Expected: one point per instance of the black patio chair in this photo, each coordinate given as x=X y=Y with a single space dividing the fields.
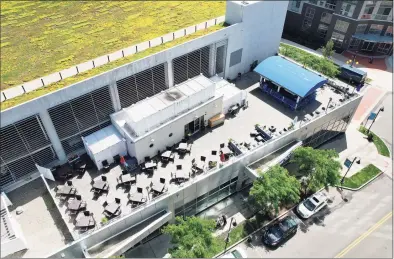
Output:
x=86 y=213
x=105 y=204
x=162 y=180
x=117 y=200
x=104 y=178
x=147 y=159
x=214 y=152
x=78 y=197
x=69 y=183
x=193 y=161
x=203 y=158
x=222 y=145
x=178 y=167
x=105 y=164
x=139 y=189
x=117 y=159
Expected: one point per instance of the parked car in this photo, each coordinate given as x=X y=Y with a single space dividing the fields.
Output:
x=312 y=205
x=236 y=253
x=279 y=232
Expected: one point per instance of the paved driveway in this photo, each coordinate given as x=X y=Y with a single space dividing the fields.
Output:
x=335 y=228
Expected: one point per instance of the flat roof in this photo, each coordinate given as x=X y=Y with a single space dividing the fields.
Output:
x=354 y=69
x=290 y=76
x=103 y=139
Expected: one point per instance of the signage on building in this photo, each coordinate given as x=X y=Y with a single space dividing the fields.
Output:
x=348 y=163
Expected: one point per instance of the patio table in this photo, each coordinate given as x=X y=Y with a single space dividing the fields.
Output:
x=126 y=178
x=182 y=146
x=149 y=165
x=199 y=165
x=112 y=207
x=181 y=175
x=226 y=150
x=74 y=204
x=158 y=186
x=85 y=221
x=259 y=138
x=137 y=197
x=99 y=184
x=66 y=190
x=166 y=154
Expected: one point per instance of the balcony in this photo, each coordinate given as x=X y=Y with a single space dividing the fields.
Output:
x=379 y=17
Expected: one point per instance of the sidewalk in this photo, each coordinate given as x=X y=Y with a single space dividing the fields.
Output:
x=354 y=144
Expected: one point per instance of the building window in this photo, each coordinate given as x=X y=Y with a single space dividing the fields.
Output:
x=326 y=17
x=375 y=29
x=368 y=46
x=368 y=10
x=354 y=43
x=322 y=30
x=337 y=38
x=347 y=9
x=310 y=12
x=361 y=28
x=384 y=47
x=383 y=13
x=306 y=24
x=331 y=4
x=389 y=31
x=341 y=26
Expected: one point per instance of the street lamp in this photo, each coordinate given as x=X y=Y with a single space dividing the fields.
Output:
x=348 y=168
x=228 y=234
x=329 y=101
x=380 y=110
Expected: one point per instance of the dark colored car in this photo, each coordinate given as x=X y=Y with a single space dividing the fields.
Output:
x=277 y=233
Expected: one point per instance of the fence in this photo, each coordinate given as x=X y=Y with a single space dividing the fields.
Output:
x=99 y=61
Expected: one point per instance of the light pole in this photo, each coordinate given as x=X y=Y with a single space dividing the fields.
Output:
x=380 y=110
x=329 y=101
x=228 y=234
x=348 y=169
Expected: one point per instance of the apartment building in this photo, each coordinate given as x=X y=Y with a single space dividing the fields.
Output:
x=365 y=27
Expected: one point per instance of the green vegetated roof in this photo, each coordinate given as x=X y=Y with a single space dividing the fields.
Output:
x=42 y=37
x=93 y=72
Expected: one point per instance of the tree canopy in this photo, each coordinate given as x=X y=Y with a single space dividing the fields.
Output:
x=192 y=237
x=319 y=167
x=328 y=50
x=274 y=189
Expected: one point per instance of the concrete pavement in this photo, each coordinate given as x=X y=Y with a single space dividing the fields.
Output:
x=333 y=229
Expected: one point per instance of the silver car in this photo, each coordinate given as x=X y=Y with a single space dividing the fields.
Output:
x=312 y=205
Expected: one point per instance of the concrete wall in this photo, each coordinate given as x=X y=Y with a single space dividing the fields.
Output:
x=176 y=127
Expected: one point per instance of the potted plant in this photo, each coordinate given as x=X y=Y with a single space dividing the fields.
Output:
x=104 y=221
x=230 y=140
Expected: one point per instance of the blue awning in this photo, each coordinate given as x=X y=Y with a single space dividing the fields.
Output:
x=373 y=38
x=290 y=76
x=354 y=70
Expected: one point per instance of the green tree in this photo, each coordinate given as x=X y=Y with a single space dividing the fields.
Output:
x=274 y=189
x=318 y=167
x=328 y=50
x=192 y=238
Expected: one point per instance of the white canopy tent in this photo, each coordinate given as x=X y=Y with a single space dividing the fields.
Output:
x=104 y=145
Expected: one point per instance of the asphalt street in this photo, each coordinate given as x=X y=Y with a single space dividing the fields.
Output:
x=360 y=227
x=383 y=125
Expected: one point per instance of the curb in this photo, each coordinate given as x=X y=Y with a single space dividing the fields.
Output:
x=254 y=232
x=362 y=186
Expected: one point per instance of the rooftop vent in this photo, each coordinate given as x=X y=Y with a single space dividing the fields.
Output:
x=173 y=95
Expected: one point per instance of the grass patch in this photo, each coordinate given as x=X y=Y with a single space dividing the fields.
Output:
x=360 y=178
x=23 y=23
x=380 y=145
x=319 y=64
x=104 y=68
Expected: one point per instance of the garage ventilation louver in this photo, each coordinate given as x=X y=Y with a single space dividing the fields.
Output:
x=144 y=84
x=191 y=65
x=84 y=114
x=23 y=144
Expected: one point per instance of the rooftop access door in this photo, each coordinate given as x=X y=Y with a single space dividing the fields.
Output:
x=220 y=57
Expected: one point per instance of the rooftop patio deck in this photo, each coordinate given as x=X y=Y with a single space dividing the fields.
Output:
x=262 y=109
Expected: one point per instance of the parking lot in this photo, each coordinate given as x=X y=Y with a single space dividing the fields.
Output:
x=333 y=230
